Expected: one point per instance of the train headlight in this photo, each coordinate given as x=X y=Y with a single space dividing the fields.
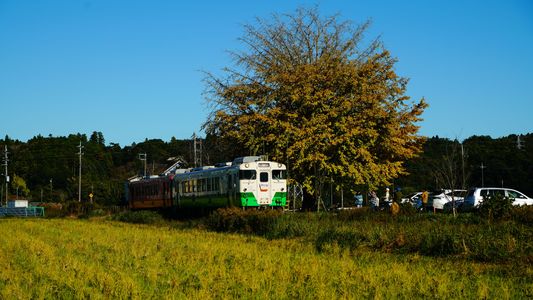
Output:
x=246 y=165
x=279 y=165
x=282 y=189
x=245 y=189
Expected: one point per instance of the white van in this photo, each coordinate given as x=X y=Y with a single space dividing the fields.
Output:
x=475 y=196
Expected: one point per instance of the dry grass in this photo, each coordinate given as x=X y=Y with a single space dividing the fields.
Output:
x=63 y=258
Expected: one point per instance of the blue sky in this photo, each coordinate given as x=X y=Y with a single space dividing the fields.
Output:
x=133 y=69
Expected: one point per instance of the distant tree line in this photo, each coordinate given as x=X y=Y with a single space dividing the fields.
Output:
x=477 y=161
x=46 y=168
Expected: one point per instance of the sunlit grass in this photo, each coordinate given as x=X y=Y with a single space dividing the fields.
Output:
x=66 y=258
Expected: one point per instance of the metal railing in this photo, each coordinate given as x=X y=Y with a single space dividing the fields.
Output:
x=32 y=211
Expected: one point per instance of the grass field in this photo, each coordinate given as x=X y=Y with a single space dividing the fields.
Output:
x=98 y=258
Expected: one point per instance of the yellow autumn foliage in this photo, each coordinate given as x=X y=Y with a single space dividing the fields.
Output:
x=310 y=92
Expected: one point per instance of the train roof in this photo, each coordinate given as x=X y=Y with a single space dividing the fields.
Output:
x=246 y=159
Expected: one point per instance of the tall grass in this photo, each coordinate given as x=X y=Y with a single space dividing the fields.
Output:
x=317 y=256
x=435 y=235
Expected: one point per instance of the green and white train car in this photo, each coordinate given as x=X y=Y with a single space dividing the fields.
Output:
x=246 y=182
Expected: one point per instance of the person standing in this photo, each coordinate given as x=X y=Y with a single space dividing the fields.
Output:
x=358 y=199
x=374 y=200
x=387 y=199
x=425 y=197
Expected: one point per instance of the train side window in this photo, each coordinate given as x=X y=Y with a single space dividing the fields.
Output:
x=247 y=174
x=209 y=184
x=279 y=174
x=263 y=177
x=217 y=183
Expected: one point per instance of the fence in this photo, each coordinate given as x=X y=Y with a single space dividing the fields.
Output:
x=32 y=211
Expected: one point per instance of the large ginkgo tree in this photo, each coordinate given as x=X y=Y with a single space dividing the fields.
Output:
x=314 y=93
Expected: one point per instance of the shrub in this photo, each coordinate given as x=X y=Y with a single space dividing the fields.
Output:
x=523 y=214
x=343 y=239
x=440 y=243
x=359 y=213
x=139 y=217
x=407 y=209
x=496 y=207
x=288 y=226
x=249 y=221
x=53 y=210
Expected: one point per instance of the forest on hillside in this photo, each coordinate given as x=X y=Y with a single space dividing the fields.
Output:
x=46 y=169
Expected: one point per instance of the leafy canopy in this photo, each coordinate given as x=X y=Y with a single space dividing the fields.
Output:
x=308 y=91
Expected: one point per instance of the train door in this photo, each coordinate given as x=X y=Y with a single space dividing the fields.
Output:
x=265 y=191
x=232 y=189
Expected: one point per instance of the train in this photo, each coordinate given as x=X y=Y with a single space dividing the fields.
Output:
x=247 y=182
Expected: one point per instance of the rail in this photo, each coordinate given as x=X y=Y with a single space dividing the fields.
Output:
x=32 y=211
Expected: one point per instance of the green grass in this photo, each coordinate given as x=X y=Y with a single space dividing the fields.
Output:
x=70 y=258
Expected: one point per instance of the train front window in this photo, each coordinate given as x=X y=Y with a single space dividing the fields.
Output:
x=279 y=174
x=247 y=174
x=263 y=177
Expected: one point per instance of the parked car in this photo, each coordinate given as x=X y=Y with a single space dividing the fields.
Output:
x=412 y=198
x=415 y=199
x=458 y=205
x=476 y=195
x=439 y=198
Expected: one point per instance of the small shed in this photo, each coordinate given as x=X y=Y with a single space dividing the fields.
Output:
x=17 y=203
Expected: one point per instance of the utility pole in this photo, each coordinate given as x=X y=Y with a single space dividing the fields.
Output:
x=463 y=166
x=519 y=143
x=79 y=172
x=142 y=157
x=197 y=150
x=6 y=160
x=482 y=177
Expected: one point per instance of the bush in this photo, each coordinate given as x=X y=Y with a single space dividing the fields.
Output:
x=496 y=207
x=235 y=219
x=139 y=217
x=523 y=214
x=407 y=209
x=343 y=239
x=359 y=213
x=52 y=210
x=440 y=243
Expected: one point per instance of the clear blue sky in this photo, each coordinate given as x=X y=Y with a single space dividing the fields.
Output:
x=133 y=69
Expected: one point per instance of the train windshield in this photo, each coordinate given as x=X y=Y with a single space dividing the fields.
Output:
x=263 y=177
x=247 y=174
x=279 y=174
